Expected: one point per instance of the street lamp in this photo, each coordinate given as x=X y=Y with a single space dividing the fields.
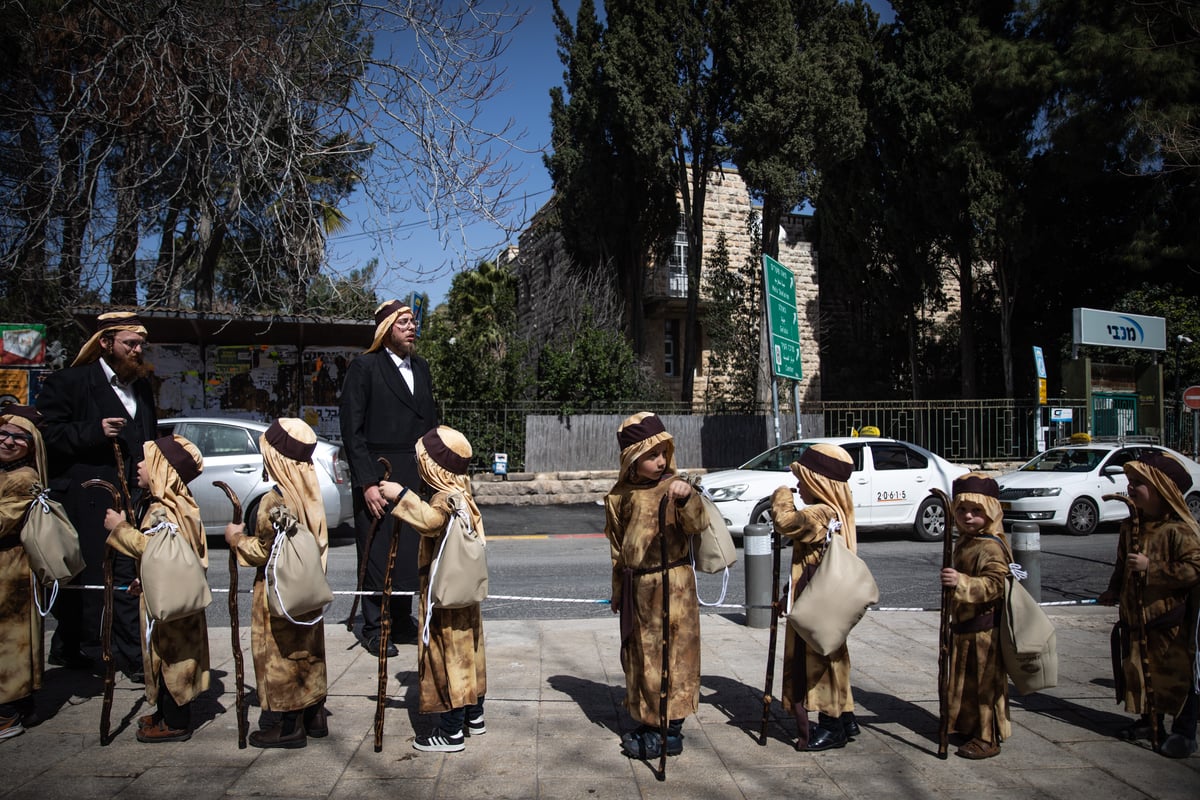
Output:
x=1180 y=341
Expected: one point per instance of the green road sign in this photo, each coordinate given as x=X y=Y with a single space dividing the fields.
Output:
x=782 y=320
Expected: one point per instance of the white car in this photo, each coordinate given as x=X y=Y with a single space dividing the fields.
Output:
x=890 y=484
x=230 y=450
x=1065 y=486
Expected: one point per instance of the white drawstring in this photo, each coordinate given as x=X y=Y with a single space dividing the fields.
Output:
x=37 y=597
x=1017 y=572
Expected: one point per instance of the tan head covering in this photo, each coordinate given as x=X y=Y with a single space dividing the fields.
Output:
x=982 y=490
x=385 y=318
x=443 y=462
x=168 y=461
x=287 y=448
x=13 y=415
x=112 y=321
x=1169 y=478
x=823 y=470
x=638 y=435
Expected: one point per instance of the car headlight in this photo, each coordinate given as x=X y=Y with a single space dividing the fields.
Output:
x=1046 y=491
x=726 y=493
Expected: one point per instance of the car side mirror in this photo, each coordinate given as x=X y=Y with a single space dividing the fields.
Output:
x=1113 y=470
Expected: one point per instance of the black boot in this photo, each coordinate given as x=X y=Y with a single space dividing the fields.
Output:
x=828 y=734
x=289 y=733
x=316 y=720
x=850 y=725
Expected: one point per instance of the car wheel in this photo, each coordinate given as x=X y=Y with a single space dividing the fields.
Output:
x=250 y=515
x=1193 y=504
x=930 y=524
x=1082 y=517
x=761 y=515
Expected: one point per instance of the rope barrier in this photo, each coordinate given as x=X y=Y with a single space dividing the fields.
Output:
x=590 y=601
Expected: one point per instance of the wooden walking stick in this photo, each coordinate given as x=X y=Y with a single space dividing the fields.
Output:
x=945 y=632
x=119 y=458
x=385 y=633
x=362 y=569
x=239 y=670
x=664 y=682
x=110 y=669
x=776 y=612
x=1137 y=593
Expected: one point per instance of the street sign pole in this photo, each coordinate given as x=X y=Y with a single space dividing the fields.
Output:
x=783 y=323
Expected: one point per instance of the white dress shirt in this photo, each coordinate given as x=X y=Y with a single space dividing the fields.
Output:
x=124 y=391
x=405 y=367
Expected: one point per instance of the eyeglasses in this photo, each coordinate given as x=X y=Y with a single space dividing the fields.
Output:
x=405 y=322
x=16 y=438
x=133 y=344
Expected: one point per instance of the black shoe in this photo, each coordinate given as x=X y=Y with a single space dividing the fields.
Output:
x=316 y=721
x=1178 y=746
x=646 y=743
x=372 y=646
x=275 y=737
x=826 y=739
x=70 y=660
x=850 y=725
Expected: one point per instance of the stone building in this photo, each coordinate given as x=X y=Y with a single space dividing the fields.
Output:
x=540 y=253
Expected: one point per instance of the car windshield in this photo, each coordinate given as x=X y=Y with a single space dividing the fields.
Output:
x=777 y=458
x=1066 y=460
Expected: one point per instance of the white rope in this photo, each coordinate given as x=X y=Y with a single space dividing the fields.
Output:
x=37 y=594
x=273 y=560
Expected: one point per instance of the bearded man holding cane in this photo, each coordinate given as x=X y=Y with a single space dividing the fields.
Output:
x=387 y=405
x=97 y=414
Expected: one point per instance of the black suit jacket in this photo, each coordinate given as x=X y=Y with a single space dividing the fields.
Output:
x=381 y=417
x=72 y=402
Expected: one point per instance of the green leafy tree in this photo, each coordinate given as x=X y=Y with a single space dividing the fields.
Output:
x=733 y=324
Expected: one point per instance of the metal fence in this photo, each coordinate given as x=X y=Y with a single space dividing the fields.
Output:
x=964 y=431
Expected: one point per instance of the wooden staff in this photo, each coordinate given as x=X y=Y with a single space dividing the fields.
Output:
x=119 y=458
x=945 y=632
x=776 y=612
x=362 y=569
x=1138 y=591
x=239 y=670
x=110 y=673
x=385 y=632
x=664 y=683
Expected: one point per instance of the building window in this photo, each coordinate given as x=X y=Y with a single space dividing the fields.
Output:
x=671 y=348
x=677 y=264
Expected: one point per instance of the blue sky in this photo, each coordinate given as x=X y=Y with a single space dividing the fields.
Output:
x=531 y=69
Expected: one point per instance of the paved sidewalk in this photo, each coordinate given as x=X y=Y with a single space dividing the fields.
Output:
x=554 y=715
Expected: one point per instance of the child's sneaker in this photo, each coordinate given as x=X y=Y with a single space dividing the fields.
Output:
x=440 y=742
x=476 y=727
x=11 y=726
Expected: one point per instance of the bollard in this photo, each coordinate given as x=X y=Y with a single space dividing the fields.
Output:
x=756 y=554
x=1027 y=551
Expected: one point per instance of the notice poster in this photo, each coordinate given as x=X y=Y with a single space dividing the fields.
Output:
x=178 y=380
x=14 y=386
x=22 y=344
x=252 y=381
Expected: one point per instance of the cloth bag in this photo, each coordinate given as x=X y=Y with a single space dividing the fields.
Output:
x=713 y=550
x=296 y=582
x=1028 y=643
x=50 y=540
x=835 y=597
x=174 y=584
x=458 y=576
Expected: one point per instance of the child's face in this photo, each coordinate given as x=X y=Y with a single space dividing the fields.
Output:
x=1145 y=497
x=143 y=475
x=652 y=465
x=969 y=517
x=14 y=443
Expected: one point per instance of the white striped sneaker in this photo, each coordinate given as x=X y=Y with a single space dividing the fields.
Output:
x=476 y=727
x=440 y=742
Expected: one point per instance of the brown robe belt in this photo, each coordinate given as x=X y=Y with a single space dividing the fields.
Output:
x=986 y=621
x=627 y=601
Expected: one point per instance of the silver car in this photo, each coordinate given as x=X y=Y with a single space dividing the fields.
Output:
x=230 y=450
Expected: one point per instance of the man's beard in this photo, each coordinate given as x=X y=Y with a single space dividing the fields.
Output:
x=128 y=368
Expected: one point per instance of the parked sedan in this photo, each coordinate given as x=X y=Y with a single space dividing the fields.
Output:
x=1065 y=486
x=890 y=484
x=230 y=450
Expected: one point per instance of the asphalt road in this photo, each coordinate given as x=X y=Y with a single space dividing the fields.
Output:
x=554 y=554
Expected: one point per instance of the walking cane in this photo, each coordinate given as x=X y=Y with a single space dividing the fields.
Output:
x=776 y=611
x=1138 y=590
x=120 y=462
x=944 y=633
x=385 y=632
x=239 y=670
x=110 y=674
x=664 y=683
x=362 y=569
